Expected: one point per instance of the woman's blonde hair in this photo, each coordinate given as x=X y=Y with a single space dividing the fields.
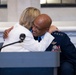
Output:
x=28 y=16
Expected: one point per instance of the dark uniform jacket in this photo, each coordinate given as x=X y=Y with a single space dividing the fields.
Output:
x=63 y=43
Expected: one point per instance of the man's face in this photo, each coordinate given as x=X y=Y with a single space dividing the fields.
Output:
x=38 y=29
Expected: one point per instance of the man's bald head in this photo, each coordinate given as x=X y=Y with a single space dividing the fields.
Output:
x=41 y=24
x=44 y=20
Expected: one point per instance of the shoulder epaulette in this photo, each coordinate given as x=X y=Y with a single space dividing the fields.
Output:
x=58 y=33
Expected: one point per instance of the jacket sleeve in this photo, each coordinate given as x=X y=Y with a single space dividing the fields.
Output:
x=34 y=45
x=68 y=48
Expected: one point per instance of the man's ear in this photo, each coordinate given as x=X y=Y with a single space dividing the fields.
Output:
x=47 y=29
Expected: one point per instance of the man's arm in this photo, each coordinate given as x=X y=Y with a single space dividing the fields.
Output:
x=68 y=48
x=6 y=32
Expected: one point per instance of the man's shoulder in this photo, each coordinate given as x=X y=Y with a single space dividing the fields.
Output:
x=59 y=33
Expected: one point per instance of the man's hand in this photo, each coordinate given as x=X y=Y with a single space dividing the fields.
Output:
x=53 y=28
x=6 y=32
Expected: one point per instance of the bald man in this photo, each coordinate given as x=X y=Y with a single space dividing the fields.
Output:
x=61 y=42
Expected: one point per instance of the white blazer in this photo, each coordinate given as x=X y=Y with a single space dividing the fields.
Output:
x=29 y=44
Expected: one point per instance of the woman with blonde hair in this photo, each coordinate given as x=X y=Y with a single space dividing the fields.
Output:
x=25 y=24
x=28 y=16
